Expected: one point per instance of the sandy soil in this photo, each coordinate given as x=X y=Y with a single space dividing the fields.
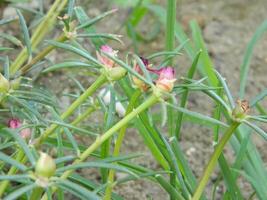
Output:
x=228 y=25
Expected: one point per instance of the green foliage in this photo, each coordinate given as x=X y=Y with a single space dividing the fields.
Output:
x=38 y=121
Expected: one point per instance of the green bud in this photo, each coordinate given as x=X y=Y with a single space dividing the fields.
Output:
x=116 y=73
x=4 y=84
x=45 y=166
x=241 y=109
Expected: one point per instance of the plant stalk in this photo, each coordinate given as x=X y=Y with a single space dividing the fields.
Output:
x=98 y=83
x=20 y=157
x=116 y=152
x=170 y=43
x=213 y=160
x=39 y=33
x=99 y=141
x=42 y=54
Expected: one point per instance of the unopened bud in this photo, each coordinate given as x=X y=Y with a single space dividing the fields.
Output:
x=4 y=84
x=45 y=166
x=116 y=73
x=241 y=109
x=166 y=79
x=16 y=123
x=106 y=61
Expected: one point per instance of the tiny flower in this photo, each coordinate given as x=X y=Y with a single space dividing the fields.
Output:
x=139 y=83
x=107 y=62
x=16 y=123
x=45 y=166
x=241 y=110
x=4 y=84
x=113 y=72
x=166 y=78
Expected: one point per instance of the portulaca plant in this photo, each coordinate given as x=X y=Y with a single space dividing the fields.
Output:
x=41 y=151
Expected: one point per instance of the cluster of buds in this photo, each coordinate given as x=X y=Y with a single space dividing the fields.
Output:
x=166 y=75
x=112 y=70
x=241 y=109
x=165 y=81
x=15 y=124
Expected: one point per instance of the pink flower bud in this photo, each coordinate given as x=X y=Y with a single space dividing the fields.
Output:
x=107 y=62
x=166 y=79
x=25 y=133
x=16 y=123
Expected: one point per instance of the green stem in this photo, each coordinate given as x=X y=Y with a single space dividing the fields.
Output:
x=39 y=33
x=213 y=160
x=12 y=170
x=170 y=25
x=36 y=193
x=42 y=54
x=99 y=82
x=170 y=43
x=117 y=146
x=99 y=141
x=84 y=115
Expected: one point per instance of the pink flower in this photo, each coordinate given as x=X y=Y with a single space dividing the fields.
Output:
x=166 y=78
x=107 y=62
x=16 y=123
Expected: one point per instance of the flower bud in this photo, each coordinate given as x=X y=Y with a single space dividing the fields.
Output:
x=4 y=84
x=241 y=109
x=166 y=79
x=116 y=73
x=107 y=62
x=16 y=123
x=45 y=166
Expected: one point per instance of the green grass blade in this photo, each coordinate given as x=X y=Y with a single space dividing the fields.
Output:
x=95 y=165
x=12 y=162
x=67 y=65
x=77 y=190
x=26 y=34
x=258 y=130
x=75 y=50
x=247 y=57
x=94 y=20
x=204 y=58
x=22 y=144
x=226 y=89
x=198 y=115
x=258 y=98
x=184 y=96
x=19 y=192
